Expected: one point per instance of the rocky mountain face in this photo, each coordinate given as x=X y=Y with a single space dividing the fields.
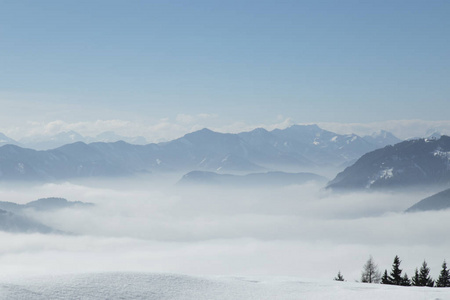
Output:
x=295 y=149
x=406 y=164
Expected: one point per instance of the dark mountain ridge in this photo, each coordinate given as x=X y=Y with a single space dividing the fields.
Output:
x=406 y=164
x=439 y=201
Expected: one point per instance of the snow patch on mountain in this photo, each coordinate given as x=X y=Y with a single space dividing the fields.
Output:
x=382 y=174
x=387 y=173
x=444 y=155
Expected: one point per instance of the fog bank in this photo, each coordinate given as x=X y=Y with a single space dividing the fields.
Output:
x=295 y=230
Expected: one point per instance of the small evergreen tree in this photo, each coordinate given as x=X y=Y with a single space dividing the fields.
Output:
x=339 y=277
x=396 y=273
x=444 y=277
x=424 y=278
x=415 y=280
x=370 y=273
x=405 y=280
x=385 y=278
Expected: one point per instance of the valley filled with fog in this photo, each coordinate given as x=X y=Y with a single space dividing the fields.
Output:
x=152 y=224
x=224 y=150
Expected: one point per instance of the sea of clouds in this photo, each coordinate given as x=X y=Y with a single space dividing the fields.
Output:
x=150 y=225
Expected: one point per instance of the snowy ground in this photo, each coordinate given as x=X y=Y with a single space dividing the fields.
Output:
x=168 y=286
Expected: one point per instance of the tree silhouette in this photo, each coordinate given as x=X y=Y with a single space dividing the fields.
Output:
x=405 y=280
x=339 y=277
x=424 y=278
x=416 y=280
x=370 y=273
x=444 y=277
x=385 y=278
x=396 y=273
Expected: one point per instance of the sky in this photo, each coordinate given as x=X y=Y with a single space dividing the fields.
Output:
x=175 y=66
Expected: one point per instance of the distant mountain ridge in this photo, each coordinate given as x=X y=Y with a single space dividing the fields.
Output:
x=51 y=203
x=294 y=149
x=382 y=138
x=13 y=217
x=68 y=137
x=439 y=201
x=409 y=163
x=4 y=140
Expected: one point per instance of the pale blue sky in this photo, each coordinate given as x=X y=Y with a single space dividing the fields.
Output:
x=251 y=61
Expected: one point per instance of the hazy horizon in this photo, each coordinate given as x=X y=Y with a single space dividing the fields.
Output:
x=162 y=69
x=167 y=130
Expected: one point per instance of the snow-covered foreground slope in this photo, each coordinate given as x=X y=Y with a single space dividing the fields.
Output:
x=167 y=286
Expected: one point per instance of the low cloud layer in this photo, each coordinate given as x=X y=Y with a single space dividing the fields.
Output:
x=296 y=230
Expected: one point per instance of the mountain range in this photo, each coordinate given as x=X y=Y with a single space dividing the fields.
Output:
x=44 y=142
x=406 y=164
x=297 y=148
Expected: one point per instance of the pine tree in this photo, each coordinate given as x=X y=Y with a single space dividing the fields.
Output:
x=370 y=273
x=405 y=280
x=396 y=273
x=385 y=278
x=339 y=277
x=424 y=278
x=444 y=277
x=415 y=280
